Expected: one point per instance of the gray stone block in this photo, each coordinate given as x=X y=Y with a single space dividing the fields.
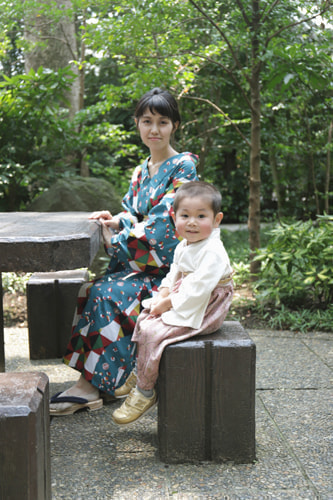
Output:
x=51 y=301
x=206 y=405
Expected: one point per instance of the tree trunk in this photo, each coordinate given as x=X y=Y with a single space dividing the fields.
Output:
x=59 y=45
x=274 y=169
x=312 y=165
x=84 y=169
x=254 y=191
x=276 y=183
x=328 y=169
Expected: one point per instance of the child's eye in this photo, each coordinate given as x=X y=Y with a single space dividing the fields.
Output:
x=202 y=216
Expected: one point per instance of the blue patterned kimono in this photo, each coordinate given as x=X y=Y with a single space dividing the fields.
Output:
x=101 y=346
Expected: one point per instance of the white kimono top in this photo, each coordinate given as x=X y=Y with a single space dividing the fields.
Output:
x=207 y=263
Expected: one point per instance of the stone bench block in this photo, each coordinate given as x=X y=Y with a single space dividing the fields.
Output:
x=206 y=407
x=25 y=464
x=51 y=302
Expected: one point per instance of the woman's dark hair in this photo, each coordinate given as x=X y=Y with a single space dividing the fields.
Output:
x=200 y=189
x=160 y=101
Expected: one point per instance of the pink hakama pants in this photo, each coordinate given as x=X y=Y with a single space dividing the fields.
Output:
x=152 y=335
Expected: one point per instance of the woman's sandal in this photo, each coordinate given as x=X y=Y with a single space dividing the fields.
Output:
x=78 y=404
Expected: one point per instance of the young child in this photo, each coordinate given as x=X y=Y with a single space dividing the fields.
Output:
x=194 y=297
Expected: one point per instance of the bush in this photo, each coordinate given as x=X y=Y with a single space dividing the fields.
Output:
x=15 y=282
x=35 y=134
x=297 y=266
x=302 y=320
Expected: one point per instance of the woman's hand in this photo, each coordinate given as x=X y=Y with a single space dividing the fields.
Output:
x=102 y=214
x=106 y=219
x=108 y=222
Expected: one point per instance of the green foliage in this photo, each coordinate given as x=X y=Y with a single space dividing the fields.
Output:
x=38 y=142
x=274 y=303
x=14 y=282
x=110 y=149
x=236 y=244
x=187 y=47
x=297 y=266
x=301 y=320
x=33 y=133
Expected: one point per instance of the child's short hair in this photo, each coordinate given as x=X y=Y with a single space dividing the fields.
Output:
x=203 y=189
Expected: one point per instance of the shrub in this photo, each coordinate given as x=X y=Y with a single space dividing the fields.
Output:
x=297 y=266
x=15 y=282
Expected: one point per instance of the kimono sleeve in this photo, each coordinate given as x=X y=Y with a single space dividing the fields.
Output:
x=129 y=216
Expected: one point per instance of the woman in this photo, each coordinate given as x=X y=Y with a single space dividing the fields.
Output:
x=141 y=251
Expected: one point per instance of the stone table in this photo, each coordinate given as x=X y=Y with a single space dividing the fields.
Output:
x=45 y=241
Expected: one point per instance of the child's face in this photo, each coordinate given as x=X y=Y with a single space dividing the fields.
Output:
x=195 y=219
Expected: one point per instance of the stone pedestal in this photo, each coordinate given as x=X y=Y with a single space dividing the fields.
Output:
x=51 y=302
x=206 y=405
x=25 y=466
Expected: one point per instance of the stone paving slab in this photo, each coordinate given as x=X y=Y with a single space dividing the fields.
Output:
x=131 y=454
x=304 y=419
x=92 y=459
x=288 y=363
x=323 y=349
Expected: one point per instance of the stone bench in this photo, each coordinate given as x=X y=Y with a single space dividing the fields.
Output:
x=25 y=463
x=51 y=301
x=206 y=407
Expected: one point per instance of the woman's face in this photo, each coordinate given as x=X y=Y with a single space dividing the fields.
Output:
x=155 y=130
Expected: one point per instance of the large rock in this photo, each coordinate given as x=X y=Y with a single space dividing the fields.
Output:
x=78 y=194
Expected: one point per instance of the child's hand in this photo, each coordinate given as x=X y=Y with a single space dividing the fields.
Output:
x=160 y=306
x=164 y=292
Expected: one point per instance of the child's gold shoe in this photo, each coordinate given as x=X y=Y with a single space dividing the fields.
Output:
x=126 y=388
x=135 y=406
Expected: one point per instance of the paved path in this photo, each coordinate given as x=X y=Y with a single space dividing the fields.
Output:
x=93 y=460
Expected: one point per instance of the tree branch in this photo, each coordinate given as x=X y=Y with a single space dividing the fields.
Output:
x=207 y=58
x=274 y=4
x=216 y=26
x=222 y=113
x=241 y=7
x=328 y=4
